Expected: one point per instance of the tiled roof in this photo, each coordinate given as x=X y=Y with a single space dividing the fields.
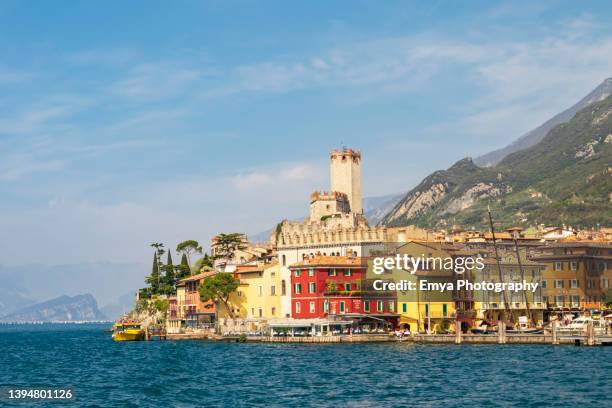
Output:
x=322 y=260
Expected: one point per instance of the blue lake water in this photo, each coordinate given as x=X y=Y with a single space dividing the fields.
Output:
x=193 y=373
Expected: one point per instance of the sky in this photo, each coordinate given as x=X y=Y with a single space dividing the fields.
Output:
x=126 y=123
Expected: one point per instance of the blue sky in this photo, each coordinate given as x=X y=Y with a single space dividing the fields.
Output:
x=127 y=123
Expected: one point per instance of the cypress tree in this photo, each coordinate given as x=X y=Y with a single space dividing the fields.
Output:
x=169 y=277
x=153 y=279
x=183 y=268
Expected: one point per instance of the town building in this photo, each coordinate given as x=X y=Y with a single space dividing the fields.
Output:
x=186 y=310
x=335 y=287
x=335 y=225
x=578 y=274
x=256 y=300
x=508 y=266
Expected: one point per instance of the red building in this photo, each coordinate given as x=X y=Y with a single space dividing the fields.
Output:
x=335 y=286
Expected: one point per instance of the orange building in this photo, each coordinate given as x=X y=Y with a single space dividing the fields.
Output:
x=578 y=274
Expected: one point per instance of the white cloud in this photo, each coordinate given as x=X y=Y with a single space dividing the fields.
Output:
x=154 y=81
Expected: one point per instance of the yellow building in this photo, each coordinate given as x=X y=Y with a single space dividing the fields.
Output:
x=257 y=299
x=425 y=310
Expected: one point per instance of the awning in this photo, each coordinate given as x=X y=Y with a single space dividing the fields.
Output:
x=407 y=319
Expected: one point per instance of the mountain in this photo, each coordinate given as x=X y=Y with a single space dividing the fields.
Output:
x=534 y=136
x=375 y=208
x=565 y=178
x=62 y=309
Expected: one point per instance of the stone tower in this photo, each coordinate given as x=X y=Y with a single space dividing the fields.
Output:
x=345 y=175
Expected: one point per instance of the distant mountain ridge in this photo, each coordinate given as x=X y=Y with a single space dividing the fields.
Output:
x=536 y=135
x=565 y=178
x=62 y=309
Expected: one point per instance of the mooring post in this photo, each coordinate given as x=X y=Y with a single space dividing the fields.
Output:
x=458 y=332
x=590 y=334
x=501 y=330
x=555 y=339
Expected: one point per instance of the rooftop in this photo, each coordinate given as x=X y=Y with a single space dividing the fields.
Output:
x=322 y=260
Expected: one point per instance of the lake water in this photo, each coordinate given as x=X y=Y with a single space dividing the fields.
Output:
x=194 y=373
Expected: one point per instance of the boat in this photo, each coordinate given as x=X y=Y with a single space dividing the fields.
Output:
x=579 y=326
x=128 y=330
x=532 y=330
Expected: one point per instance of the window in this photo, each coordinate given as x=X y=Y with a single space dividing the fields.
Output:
x=559 y=300
x=312 y=287
x=342 y=306
x=545 y=299
x=252 y=311
x=558 y=283
x=380 y=306
x=273 y=311
x=297 y=288
x=348 y=272
x=331 y=272
x=573 y=284
x=260 y=290
x=347 y=286
x=426 y=309
x=573 y=265
x=366 y=307
x=283 y=288
x=284 y=260
x=273 y=290
x=391 y=306
x=558 y=266
x=543 y=284
x=298 y=307
x=260 y=312
x=404 y=308
x=605 y=283
x=297 y=273
x=326 y=306
x=312 y=307
x=575 y=301
x=311 y=272
x=444 y=310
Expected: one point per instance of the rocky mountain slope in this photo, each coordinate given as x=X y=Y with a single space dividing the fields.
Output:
x=565 y=178
x=536 y=135
x=61 y=309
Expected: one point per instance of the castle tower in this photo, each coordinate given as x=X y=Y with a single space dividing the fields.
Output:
x=345 y=175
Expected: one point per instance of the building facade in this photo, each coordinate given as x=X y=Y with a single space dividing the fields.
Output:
x=336 y=287
x=578 y=274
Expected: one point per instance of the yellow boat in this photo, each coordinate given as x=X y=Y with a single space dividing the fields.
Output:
x=127 y=331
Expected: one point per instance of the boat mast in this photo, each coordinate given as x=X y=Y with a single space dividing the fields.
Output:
x=520 y=264
x=501 y=278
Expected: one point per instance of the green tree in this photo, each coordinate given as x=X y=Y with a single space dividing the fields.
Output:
x=189 y=247
x=227 y=244
x=169 y=280
x=218 y=288
x=182 y=270
x=153 y=280
x=203 y=264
